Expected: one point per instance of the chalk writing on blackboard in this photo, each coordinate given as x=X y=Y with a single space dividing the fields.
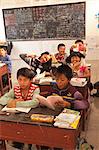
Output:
x=62 y=21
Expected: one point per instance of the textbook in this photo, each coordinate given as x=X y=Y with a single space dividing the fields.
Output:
x=17 y=109
x=67 y=119
x=50 y=101
x=63 y=124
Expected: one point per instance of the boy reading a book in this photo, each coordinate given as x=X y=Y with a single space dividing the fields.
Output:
x=23 y=94
x=68 y=92
x=65 y=90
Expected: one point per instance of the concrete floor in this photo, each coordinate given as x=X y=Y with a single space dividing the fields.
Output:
x=92 y=134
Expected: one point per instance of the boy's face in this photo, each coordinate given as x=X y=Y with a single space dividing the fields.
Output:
x=61 y=50
x=24 y=82
x=62 y=81
x=2 y=52
x=81 y=46
x=44 y=58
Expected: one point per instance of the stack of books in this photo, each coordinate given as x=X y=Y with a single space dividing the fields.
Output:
x=67 y=119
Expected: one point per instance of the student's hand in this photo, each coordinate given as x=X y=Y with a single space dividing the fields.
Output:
x=11 y=104
x=62 y=104
x=47 y=74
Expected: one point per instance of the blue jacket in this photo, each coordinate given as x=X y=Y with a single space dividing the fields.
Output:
x=7 y=61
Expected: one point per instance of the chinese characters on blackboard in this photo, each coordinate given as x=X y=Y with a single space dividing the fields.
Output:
x=63 y=21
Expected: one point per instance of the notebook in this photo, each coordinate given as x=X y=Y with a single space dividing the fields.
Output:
x=18 y=109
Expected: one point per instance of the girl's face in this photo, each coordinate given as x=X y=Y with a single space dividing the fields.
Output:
x=75 y=59
x=62 y=50
x=24 y=82
x=62 y=81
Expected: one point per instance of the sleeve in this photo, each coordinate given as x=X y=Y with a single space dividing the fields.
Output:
x=30 y=103
x=78 y=95
x=7 y=61
x=8 y=96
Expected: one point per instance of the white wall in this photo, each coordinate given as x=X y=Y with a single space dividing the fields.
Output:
x=92 y=33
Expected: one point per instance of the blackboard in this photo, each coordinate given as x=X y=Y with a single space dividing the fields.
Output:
x=62 y=21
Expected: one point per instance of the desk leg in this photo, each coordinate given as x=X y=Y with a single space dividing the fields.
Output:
x=2 y=145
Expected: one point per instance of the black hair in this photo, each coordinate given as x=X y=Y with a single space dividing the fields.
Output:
x=68 y=59
x=26 y=72
x=4 y=47
x=45 y=53
x=66 y=70
x=77 y=41
x=96 y=85
x=59 y=45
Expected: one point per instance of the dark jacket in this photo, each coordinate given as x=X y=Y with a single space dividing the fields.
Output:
x=72 y=95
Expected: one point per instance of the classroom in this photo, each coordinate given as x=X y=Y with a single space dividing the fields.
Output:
x=49 y=58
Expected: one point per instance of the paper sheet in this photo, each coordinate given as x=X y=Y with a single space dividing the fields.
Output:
x=20 y=109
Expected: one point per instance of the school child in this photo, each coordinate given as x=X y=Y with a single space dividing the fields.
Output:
x=61 y=55
x=64 y=89
x=5 y=58
x=79 y=69
x=23 y=94
x=43 y=62
x=79 y=46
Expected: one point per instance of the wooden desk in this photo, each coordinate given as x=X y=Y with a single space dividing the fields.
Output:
x=4 y=80
x=19 y=127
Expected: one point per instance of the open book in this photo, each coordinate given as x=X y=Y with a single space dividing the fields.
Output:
x=51 y=101
x=17 y=109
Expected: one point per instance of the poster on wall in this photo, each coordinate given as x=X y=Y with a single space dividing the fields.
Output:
x=93 y=43
x=97 y=17
x=62 y=21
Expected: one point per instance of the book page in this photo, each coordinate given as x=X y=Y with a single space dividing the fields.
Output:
x=43 y=101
